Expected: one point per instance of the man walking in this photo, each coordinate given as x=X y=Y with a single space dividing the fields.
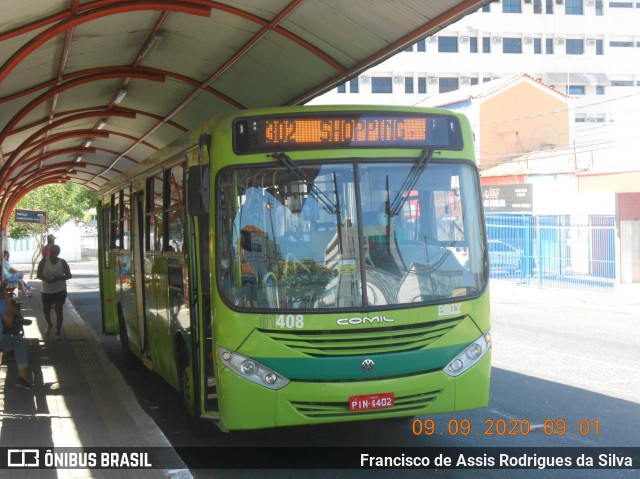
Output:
x=54 y=273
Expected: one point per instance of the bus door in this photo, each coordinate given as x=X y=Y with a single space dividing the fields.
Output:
x=107 y=274
x=138 y=267
x=198 y=195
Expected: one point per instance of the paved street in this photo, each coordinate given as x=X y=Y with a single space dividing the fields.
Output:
x=558 y=356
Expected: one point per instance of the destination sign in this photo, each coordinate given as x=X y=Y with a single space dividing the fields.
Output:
x=340 y=130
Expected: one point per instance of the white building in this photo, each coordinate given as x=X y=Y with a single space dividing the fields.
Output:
x=588 y=48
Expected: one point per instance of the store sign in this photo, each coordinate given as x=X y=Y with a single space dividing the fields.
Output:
x=508 y=198
x=30 y=216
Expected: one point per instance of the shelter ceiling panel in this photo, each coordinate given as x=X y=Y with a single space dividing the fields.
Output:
x=158 y=98
x=123 y=142
x=201 y=108
x=198 y=46
x=15 y=13
x=10 y=108
x=97 y=162
x=100 y=91
x=267 y=10
x=348 y=31
x=257 y=78
x=42 y=66
x=33 y=119
x=29 y=126
x=116 y=165
x=113 y=40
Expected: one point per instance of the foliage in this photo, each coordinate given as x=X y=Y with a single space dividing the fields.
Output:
x=62 y=202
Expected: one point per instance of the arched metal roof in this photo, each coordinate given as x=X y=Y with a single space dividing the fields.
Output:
x=89 y=89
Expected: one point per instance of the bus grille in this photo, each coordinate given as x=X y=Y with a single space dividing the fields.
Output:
x=364 y=341
x=328 y=410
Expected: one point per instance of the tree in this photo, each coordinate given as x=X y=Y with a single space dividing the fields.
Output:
x=62 y=202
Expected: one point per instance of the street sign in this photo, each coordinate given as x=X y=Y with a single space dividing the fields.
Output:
x=30 y=216
x=508 y=198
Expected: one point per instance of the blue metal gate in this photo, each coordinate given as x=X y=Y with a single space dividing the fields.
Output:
x=552 y=250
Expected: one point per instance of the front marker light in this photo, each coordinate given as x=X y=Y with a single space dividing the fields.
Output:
x=252 y=370
x=469 y=356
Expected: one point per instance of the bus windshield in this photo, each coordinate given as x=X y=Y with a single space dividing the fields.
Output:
x=348 y=235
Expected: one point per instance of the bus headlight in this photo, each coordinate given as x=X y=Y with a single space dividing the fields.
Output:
x=252 y=370
x=469 y=356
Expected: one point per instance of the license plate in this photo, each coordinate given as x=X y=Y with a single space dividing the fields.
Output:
x=371 y=401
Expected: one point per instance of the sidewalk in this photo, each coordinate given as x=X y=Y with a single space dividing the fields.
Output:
x=622 y=296
x=79 y=399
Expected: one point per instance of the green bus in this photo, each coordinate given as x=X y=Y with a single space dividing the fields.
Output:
x=305 y=265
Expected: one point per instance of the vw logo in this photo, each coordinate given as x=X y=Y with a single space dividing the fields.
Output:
x=368 y=365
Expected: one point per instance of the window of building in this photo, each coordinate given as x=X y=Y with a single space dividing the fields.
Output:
x=473 y=45
x=537 y=46
x=381 y=85
x=448 y=84
x=447 y=44
x=548 y=7
x=408 y=84
x=621 y=82
x=474 y=80
x=421 y=46
x=354 y=85
x=599 y=47
x=573 y=7
x=622 y=44
x=486 y=8
x=486 y=44
x=511 y=6
x=574 y=46
x=620 y=4
x=486 y=79
x=422 y=84
x=511 y=45
x=576 y=90
x=580 y=118
x=599 y=90
x=342 y=88
x=537 y=6
x=548 y=42
x=599 y=8
x=409 y=49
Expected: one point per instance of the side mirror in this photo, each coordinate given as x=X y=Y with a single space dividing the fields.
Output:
x=198 y=190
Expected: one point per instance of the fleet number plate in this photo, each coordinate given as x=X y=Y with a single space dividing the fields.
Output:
x=371 y=401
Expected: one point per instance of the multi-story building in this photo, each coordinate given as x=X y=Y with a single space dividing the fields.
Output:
x=589 y=49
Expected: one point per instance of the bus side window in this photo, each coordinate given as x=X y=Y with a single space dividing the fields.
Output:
x=174 y=182
x=154 y=213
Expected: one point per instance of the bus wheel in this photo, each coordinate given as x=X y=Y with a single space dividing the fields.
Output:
x=128 y=359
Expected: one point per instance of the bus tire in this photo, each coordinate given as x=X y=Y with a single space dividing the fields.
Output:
x=128 y=359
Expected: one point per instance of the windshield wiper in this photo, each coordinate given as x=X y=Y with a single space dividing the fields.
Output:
x=314 y=191
x=410 y=182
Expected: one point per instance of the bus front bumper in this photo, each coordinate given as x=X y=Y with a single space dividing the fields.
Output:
x=251 y=406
